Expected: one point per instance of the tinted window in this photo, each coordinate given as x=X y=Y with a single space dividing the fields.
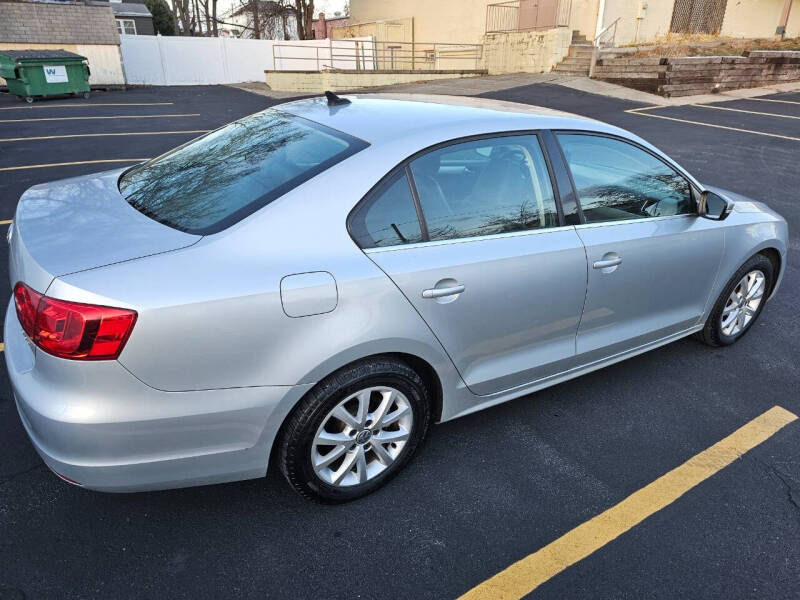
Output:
x=617 y=181
x=485 y=187
x=211 y=183
x=388 y=217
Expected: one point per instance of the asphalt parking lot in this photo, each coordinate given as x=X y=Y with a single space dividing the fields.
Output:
x=486 y=490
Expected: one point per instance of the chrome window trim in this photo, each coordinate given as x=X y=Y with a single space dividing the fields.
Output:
x=633 y=220
x=511 y=234
x=479 y=238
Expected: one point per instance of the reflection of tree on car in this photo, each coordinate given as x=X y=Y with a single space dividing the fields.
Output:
x=240 y=166
x=652 y=195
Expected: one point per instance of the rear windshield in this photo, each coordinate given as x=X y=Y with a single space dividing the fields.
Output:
x=210 y=183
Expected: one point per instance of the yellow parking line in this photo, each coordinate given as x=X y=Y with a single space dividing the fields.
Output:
x=83 y=135
x=634 y=111
x=7 y=222
x=79 y=162
x=2 y=347
x=106 y=117
x=86 y=104
x=524 y=576
x=752 y=112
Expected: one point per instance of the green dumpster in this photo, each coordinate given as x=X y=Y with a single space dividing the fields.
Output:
x=38 y=73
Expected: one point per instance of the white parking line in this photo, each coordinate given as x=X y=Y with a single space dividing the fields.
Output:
x=635 y=111
x=772 y=100
x=751 y=112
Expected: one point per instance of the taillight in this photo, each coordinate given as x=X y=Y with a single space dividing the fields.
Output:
x=72 y=329
x=27 y=302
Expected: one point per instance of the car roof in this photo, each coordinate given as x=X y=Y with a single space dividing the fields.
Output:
x=379 y=118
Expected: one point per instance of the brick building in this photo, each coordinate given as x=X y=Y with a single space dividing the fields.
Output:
x=321 y=27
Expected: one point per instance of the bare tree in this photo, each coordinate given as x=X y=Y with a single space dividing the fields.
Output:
x=182 y=11
x=304 y=13
x=270 y=19
x=265 y=18
x=256 y=19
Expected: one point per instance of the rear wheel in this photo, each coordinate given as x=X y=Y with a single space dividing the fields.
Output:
x=740 y=303
x=354 y=431
x=28 y=99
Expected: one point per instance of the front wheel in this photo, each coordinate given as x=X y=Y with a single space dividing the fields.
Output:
x=740 y=303
x=355 y=430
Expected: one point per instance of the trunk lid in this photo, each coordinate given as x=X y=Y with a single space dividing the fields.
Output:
x=78 y=224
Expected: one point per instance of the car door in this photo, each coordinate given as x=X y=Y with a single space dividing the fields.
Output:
x=652 y=259
x=471 y=234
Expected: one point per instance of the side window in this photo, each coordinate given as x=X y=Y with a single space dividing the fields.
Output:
x=388 y=217
x=485 y=187
x=618 y=181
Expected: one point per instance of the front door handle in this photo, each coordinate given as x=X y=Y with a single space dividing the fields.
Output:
x=607 y=262
x=443 y=291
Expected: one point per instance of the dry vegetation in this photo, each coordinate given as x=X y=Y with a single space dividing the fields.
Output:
x=710 y=45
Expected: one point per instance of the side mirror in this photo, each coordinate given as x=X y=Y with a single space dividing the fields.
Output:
x=713 y=206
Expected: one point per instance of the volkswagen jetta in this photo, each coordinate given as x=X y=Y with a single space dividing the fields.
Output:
x=320 y=281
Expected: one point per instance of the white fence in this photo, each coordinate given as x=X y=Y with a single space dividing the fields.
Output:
x=158 y=60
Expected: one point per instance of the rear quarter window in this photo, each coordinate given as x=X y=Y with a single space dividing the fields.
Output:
x=215 y=181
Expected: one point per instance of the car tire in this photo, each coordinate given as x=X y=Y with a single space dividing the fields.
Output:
x=714 y=333
x=316 y=419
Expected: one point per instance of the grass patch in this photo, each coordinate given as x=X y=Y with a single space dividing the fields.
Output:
x=709 y=45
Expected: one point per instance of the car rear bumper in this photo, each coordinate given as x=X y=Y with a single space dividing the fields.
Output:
x=97 y=425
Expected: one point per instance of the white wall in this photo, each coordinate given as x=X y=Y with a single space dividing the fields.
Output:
x=158 y=60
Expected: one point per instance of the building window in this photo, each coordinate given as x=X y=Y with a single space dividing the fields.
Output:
x=126 y=26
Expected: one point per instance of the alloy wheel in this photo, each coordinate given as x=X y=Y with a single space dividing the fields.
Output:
x=743 y=303
x=362 y=436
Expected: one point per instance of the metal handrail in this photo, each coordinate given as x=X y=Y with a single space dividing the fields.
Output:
x=381 y=55
x=598 y=41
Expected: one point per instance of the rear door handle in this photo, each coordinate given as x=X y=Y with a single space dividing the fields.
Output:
x=444 y=291
x=609 y=262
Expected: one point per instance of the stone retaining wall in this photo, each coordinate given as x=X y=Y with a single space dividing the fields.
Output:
x=525 y=51
x=689 y=75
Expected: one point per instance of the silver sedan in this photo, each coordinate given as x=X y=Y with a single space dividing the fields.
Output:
x=321 y=281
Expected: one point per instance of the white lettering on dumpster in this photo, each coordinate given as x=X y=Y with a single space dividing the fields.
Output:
x=55 y=74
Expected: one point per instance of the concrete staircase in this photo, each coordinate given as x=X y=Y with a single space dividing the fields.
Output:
x=579 y=58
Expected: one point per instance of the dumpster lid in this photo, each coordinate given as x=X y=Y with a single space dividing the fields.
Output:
x=17 y=54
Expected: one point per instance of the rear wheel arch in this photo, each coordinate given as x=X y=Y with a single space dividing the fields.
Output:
x=296 y=437
x=419 y=365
